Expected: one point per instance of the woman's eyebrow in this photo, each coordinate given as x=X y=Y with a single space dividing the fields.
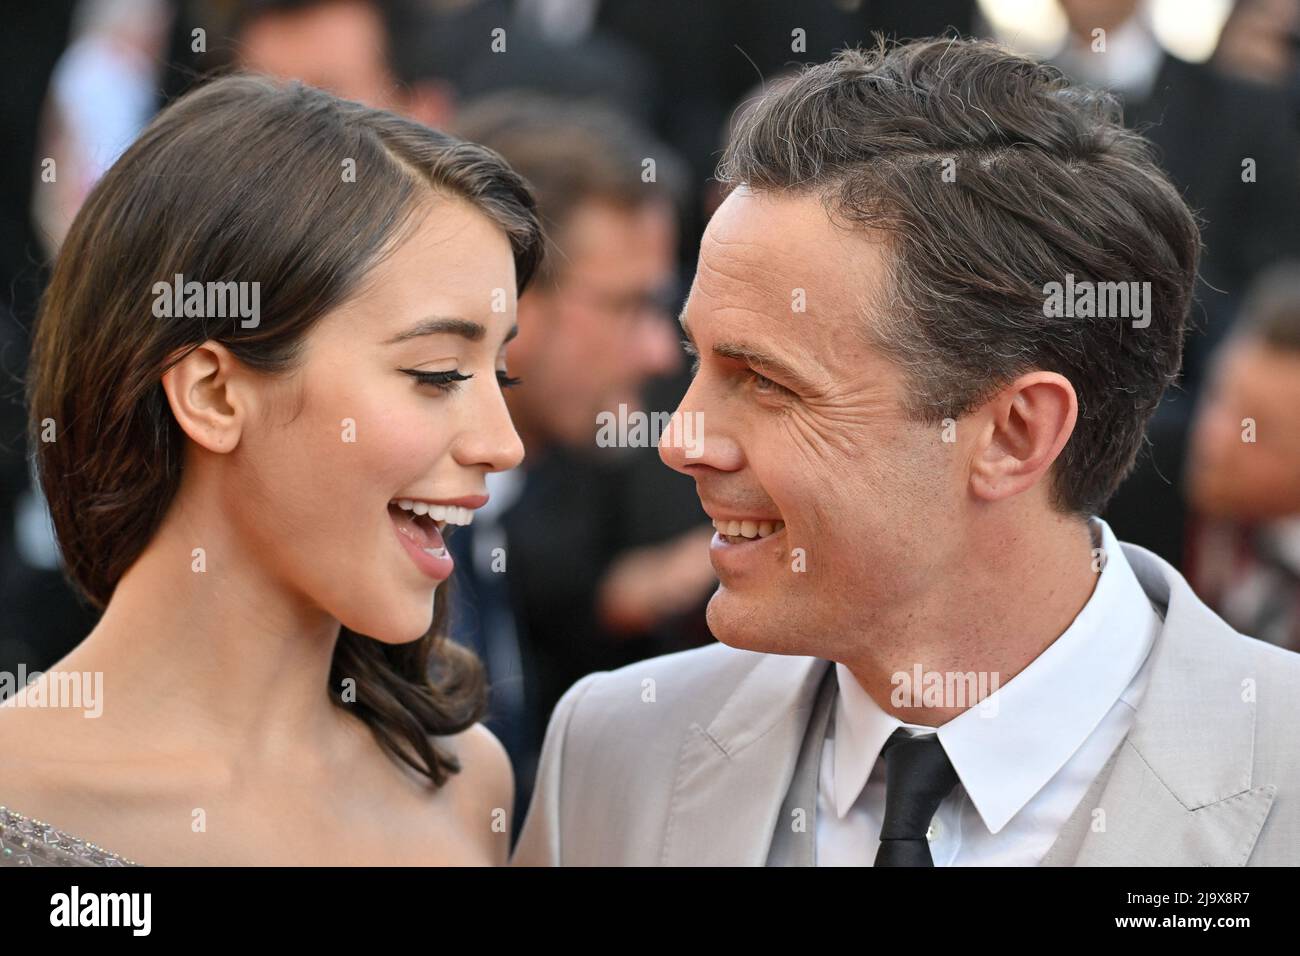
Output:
x=439 y=325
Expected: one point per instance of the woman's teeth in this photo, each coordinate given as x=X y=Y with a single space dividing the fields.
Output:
x=747 y=529
x=440 y=514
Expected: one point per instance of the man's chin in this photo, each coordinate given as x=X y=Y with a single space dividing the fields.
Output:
x=749 y=622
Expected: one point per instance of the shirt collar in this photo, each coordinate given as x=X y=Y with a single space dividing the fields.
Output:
x=1001 y=748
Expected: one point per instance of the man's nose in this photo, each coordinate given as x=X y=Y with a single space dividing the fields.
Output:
x=697 y=436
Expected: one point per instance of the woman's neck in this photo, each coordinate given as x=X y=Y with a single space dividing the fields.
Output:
x=211 y=651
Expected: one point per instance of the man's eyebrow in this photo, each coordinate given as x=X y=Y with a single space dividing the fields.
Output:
x=763 y=363
x=446 y=325
x=759 y=360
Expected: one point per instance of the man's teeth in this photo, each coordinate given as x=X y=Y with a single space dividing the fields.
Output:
x=445 y=514
x=748 y=529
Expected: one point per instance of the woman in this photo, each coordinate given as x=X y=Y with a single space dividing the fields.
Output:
x=266 y=379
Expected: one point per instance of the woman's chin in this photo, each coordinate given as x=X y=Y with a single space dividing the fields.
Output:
x=399 y=628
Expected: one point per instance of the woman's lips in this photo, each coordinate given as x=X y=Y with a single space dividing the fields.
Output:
x=420 y=537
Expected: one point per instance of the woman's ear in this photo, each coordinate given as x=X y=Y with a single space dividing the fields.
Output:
x=205 y=392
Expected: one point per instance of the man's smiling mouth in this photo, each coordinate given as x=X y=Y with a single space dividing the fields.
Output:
x=738 y=532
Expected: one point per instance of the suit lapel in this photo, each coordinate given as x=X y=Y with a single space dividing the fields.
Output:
x=734 y=775
x=794 y=841
x=1178 y=791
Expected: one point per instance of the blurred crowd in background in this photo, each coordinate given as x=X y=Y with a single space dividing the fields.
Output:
x=606 y=549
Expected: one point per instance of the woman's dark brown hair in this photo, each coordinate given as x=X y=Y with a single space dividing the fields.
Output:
x=244 y=179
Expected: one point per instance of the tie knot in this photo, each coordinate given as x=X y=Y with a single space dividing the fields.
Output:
x=918 y=775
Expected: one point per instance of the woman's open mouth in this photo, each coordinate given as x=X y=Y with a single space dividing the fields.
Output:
x=422 y=528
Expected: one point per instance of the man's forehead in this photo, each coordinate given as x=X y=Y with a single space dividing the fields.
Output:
x=786 y=244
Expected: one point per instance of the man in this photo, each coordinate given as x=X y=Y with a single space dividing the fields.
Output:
x=933 y=652
x=1243 y=478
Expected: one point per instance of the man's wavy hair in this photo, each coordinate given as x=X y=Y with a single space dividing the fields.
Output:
x=244 y=177
x=1044 y=181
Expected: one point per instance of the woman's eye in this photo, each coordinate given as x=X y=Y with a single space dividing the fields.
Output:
x=444 y=381
x=448 y=381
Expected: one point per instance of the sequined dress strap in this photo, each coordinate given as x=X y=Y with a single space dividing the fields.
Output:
x=28 y=842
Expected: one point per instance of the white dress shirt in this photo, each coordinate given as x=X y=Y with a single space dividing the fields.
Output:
x=1024 y=757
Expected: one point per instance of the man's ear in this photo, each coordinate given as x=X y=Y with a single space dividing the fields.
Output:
x=1026 y=424
x=207 y=396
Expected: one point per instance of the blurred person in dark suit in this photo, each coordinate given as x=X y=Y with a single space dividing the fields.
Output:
x=1232 y=150
x=1243 y=474
x=40 y=619
x=604 y=549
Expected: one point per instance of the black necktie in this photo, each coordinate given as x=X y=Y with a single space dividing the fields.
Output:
x=918 y=775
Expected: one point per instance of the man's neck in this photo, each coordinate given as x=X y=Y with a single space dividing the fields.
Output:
x=1013 y=597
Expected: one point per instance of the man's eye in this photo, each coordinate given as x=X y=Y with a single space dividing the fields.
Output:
x=764 y=384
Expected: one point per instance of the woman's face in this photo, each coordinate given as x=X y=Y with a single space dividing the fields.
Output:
x=353 y=431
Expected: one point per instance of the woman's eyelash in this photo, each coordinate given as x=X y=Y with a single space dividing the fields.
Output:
x=445 y=381
x=448 y=381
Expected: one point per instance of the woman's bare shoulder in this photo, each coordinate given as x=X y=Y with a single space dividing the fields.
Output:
x=484 y=764
x=484 y=789
x=37 y=766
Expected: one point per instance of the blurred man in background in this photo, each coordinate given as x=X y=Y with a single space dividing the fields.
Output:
x=1232 y=150
x=1243 y=475
x=338 y=45
x=603 y=554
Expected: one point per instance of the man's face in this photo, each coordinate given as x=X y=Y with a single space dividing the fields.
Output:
x=1253 y=394
x=590 y=342
x=1085 y=16
x=814 y=436
x=338 y=47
